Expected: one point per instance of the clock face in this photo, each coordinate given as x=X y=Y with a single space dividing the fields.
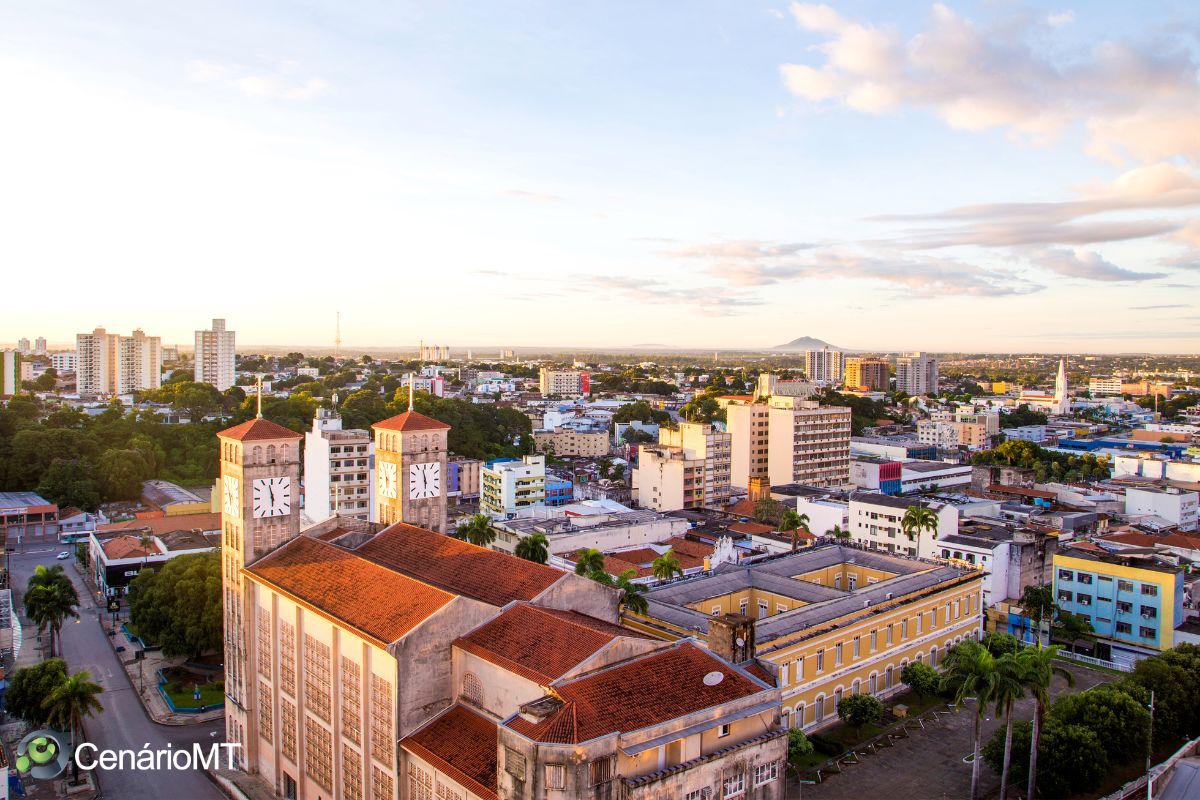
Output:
x=386 y=479
x=231 y=500
x=424 y=480
x=272 y=497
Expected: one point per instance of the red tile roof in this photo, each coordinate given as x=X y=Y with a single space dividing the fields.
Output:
x=258 y=429
x=345 y=587
x=752 y=528
x=163 y=525
x=760 y=672
x=478 y=572
x=461 y=744
x=411 y=421
x=637 y=694
x=128 y=547
x=742 y=508
x=686 y=547
x=1133 y=538
x=541 y=644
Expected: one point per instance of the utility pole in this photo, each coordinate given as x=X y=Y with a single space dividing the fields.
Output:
x=1150 y=751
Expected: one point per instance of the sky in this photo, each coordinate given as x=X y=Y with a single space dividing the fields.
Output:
x=993 y=176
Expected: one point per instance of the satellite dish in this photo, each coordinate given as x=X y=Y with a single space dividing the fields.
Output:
x=740 y=642
x=713 y=678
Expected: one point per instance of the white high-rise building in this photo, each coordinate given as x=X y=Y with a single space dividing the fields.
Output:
x=9 y=378
x=808 y=443
x=339 y=466
x=824 y=366
x=23 y=346
x=107 y=363
x=215 y=356
x=63 y=362
x=917 y=374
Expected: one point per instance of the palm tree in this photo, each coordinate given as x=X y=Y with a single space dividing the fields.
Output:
x=477 y=530
x=1009 y=688
x=70 y=703
x=534 y=547
x=1038 y=603
x=666 y=566
x=837 y=532
x=791 y=522
x=1040 y=669
x=1074 y=628
x=632 y=598
x=917 y=519
x=589 y=561
x=970 y=671
x=50 y=598
x=147 y=542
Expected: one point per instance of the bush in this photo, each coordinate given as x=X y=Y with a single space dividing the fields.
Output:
x=921 y=678
x=858 y=710
x=1121 y=722
x=1071 y=760
x=798 y=747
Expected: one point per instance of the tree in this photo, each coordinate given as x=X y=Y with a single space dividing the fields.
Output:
x=1074 y=628
x=179 y=605
x=71 y=702
x=632 y=594
x=1074 y=758
x=917 y=519
x=768 y=511
x=50 y=598
x=1038 y=604
x=477 y=530
x=1121 y=722
x=70 y=483
x=1174 y=678
x=970 y=671
x=791 y=523
x=1040 y=669
x=921 y=678
x=121 y=473
x=666 y=566
x=858 y=710
x=837 y=532
x=1009 y=687
x=993 y=751
x=589 y=561
x=534 y=547
x=30 y=687
x=999 y=643
x=798 y=747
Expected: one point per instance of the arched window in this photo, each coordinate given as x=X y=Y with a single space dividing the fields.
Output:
x=874 y=683
x=819 y=712
x=285 y=453
x=799 y=717
x=887 y=679
x=424 y=442
x=270 y=454
x=787 y=717
x=472 y=689
x=256 y=454
x=837 y=697
x=856 y=687
x=933 y=656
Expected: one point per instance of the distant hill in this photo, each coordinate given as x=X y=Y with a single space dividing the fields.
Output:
x=805 y=343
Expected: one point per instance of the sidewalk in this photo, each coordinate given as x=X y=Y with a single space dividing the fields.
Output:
x=240 y=786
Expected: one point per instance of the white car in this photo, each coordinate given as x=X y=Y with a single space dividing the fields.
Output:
x=63 y=556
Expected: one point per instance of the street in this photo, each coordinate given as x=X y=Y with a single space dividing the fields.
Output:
x=123 y=724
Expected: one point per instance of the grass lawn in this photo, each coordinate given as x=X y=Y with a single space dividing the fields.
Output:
x=211 y=694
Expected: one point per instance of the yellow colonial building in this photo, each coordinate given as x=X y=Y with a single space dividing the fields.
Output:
x=823 y=623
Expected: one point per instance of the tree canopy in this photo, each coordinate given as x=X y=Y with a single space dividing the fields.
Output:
x=179 y=605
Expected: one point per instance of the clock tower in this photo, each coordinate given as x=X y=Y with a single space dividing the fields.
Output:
x=410 y=470
x=260 y=510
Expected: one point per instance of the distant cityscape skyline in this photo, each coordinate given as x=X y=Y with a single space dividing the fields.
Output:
x=726 y=177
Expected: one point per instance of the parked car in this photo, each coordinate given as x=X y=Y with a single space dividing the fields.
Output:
x=63 y=556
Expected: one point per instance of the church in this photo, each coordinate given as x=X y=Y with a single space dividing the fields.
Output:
x=1058 y=404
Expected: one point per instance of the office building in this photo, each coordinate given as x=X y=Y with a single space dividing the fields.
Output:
x=824 y=366
x=1173 y=505
x=564 y=382
x=690 y=467
x=10 y=378
x=867 y=373
x=836 y=621
x=108 y=364
x=214 y=357
x=1133 y=601
x=63 y=362
x=339 y=469
x=808 y=443
x=917 y=374
x=508 y=485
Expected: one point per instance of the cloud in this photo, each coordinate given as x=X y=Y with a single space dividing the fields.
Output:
x=1003 y=233
x=1060 y=19
x=1133 y=102
x=536 y=197
x=711 y=299
x=1155 y=308
x=280 y=82
x=739 y=248
x=1089 y=265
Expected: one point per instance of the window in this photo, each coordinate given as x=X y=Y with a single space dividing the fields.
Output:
x=837 y=581
x=722 y=731
x=1124 y=627
x=1124 y=586
x=889 y=632
x=780 y=608
x=352 y=782
x=856 y=687
x=856 y=647
x=514 y=763
x=837 y=654
x=556 y=776
x=1084 y=578
x=743 y=606
x=601 y=770
x=919 y=625
x=887 y=679
x=1066 y=575
x=903 y=629
x=800 y=707
x=1147 y=633
x=264 y=711
x=762 y=609
x=716 y=611
x=874 y=641
x=264 y=642
x=799 y=669
x=1150 y=590
x=819 y=712
x=1149 y=612
x=1083 y=599
x=318 y=754
x=699 y=794
x=381 y=784
x=765 y=773
x=1124 y=607
x=786 y=716
x=820 y=661
x=1064 y=596
x=734 y=783
x=316 y=677
x=837 y=698
x=287 y=657
x=287 y=724
x=472 y=690
x=874 y=684
x=381 y=719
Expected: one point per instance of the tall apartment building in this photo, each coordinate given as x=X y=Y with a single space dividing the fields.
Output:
x=63 y=362
x=339 y=468
x=917 y=374
x=1099 y=385
x=824 y=366
x=39 y=346
x=215 y=356
x=564 y=381
x=871 y=373
x=690 y=467
x=807 y=443
x=10 y=382
x=747 y=424
x=107 y=363
x=505 y=487
x=23 y=346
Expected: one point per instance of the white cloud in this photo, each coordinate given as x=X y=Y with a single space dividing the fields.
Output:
x=1078 y=263
x=1060 y=19
x=1133 y=102
x=280 y=83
